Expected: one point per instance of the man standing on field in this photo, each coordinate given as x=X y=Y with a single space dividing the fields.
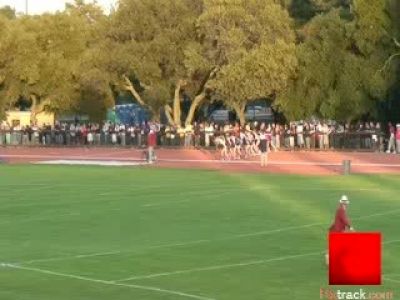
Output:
x=342 y=222
x=151 y=143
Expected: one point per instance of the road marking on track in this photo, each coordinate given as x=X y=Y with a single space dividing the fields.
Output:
x=221 y=267
x=105 y=282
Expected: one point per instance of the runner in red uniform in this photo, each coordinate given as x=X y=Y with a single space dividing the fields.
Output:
x=342 y=222
x=151 y=143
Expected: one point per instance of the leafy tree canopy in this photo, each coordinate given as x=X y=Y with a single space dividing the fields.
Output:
x=340 y=65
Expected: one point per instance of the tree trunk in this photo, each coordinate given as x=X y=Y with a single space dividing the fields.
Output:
x=389 y=60
x=201 y=95
x=37 y=107
x=168 y=111
x=129 y=87
x=34 y=109
x=196 y=102
x=156 y=115
x=240 y=114
x=177 y=104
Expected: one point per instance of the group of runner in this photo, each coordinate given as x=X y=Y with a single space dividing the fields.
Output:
x=244 y=142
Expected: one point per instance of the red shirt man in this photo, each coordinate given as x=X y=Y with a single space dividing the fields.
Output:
x=392 y=130
x=152 y=139
x=342 y=222
x=151 y=143
x=397 y=133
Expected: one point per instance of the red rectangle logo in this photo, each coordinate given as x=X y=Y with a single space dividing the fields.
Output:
x=355 y=259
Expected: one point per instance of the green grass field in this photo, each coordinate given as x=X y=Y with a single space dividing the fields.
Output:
x=74 y=233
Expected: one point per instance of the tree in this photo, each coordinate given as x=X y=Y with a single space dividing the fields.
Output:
x=263 y=72
x=144 y=50
x=8 y=12
x=251 y=46
x=339 y=63
x=95 y=95
x=321 y=6
x=394 y=12
x=42 y=59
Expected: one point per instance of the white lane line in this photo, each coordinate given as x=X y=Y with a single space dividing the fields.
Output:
x=305 y=226
x=22 y=188
x=182 y=244
x=217 y=187
x=70 y=157
x=49 y=218
x=105 y=282
x=217 y=193
x=105 y=194
x=267 y=232
x=71 y=257
x=378 y=214
x=172 y=245
x=23 y=185
x=390 y=279
x=178 y=244
x=392 y=274
x=166 y=203
x=80 y=256
x=213 y=191
x=283 y=163
x=104 y=163
x=272 y=162
x=61 y=203
x=228 y=266
x=221 y=267
x=134 y=186
x=391 y=242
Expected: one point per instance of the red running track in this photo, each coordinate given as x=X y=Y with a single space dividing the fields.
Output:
x=304 y=163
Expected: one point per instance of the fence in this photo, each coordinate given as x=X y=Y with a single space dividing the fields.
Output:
x=361 y=141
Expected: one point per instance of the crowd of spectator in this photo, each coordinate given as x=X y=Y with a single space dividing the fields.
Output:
x=292 y=136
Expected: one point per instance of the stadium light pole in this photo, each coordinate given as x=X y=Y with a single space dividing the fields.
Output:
x=26 y=7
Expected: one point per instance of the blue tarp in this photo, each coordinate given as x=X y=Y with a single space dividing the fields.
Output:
x=131 y=114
